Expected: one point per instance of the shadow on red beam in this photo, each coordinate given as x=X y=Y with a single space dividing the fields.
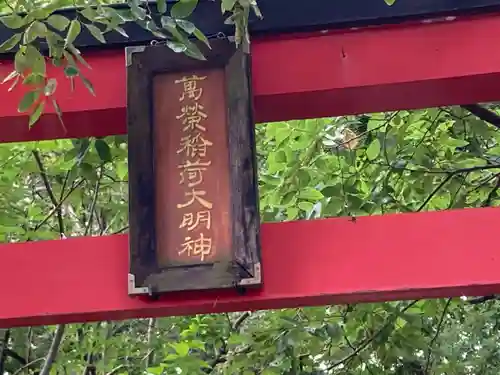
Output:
x=331 y=261
x=338 y=73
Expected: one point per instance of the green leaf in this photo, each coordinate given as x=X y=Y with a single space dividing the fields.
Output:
x=36 y=113
x=14 y=84
x=331 y=191
x=168 y=23
x=91 y=14
x=194 y=52
x=121 y=31
x=121 y=170
x=71 y=71
x=181 y=348
x=13 y=21
x=58 y=22
x=237 y=339
x=373 y=150
x=183 y=8
x=57 y=108
x=50 y=87
x=28 y=100
x=96 y=32
x=11 y=42
x=21 y=63
x=88 y=84
x=74 y=30
x=36 y=30
x=88 y=171
x=10 y=76
x=305 y=206
x=75 y=52
x=271 y=371
x=161 y=5
x=201 y=37
x=34 y=79
x=36 y=60
x=187 y=26
x=40 y=13
x=228 y=5
x=103 y=150
x=334 y=331
x=176 y=46
x=311 y=194
x=292 y=213
x=137 y=11
x=158 y=370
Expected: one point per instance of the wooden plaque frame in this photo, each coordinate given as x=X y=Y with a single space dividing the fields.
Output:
x=243 y=267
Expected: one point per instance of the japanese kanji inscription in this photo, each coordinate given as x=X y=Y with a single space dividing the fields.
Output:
x=193 y=180
x=194 y=219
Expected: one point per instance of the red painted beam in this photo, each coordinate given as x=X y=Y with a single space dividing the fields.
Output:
x=403 y=256
x=332 y=73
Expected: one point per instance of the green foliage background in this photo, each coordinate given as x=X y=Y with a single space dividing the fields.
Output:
x=405 y=161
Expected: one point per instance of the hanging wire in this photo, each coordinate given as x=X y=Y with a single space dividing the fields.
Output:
x=220 y=35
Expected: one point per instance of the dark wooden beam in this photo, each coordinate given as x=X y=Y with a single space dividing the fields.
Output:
x=288 y=16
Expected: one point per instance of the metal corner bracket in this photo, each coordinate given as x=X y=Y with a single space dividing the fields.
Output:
x=129 y=51
x=256 y=279
x=132 y=289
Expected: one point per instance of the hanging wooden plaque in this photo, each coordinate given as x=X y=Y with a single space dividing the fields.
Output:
x=194 y=218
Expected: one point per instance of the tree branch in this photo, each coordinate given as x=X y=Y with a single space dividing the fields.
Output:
x=151 y=330
x=349 y=344
x=479 y=300
x=116 y=369
x=436 y=335
x=12 y=354
x=450 y=175
x=446 y=171
x=88 y=228
x=3 y=350
x=241 y=319
x=484 y=114
x=435 y=191
x=50 y=192
x=59 y=206
x=369 y=340
x=492 y=193
x=28 y=365
x=54 y=349
x=223 y=349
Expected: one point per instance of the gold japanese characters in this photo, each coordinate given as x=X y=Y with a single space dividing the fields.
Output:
x=194 y=150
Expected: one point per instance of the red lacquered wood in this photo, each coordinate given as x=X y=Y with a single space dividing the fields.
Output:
x=379 y=258
x=305 y=76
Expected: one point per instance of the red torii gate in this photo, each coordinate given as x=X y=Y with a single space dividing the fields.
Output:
x=377 y=258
